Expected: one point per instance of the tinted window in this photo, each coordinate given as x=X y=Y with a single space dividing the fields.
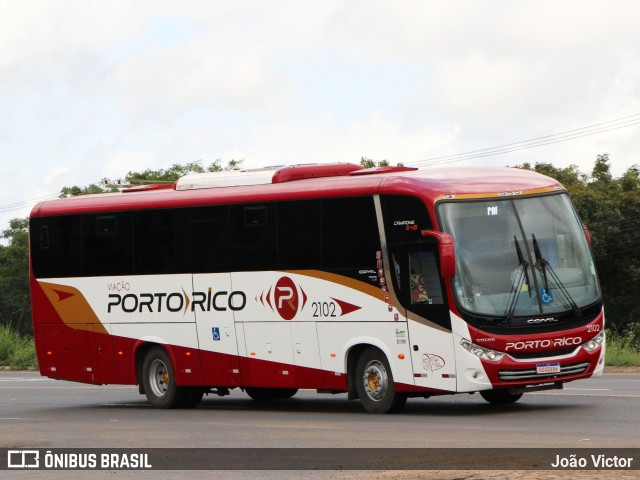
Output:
x=55 y=246
x=334 y=234
x=107 y=244
x=299 y=234
x=254 y=237
x=161 y=241
x=404 y=218
x=350 y=237
x=210 y=239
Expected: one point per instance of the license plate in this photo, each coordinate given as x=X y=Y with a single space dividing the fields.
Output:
x=548 y=368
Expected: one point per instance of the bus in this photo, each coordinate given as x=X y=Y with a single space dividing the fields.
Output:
x=383 y=283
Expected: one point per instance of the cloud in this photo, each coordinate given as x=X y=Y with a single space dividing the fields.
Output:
x=196 y=75
x=329 y=139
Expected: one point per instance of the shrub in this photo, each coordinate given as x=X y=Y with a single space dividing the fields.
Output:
x=7 y=343
x=16 y=351
x=622 y=350
x=24 y=355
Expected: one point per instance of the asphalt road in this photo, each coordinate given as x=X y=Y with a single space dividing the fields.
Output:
x=37 y=412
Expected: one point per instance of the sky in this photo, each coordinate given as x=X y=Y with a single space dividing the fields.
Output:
x=92 y=89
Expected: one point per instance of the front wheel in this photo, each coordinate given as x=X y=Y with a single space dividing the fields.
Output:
x=159 y=380
x=500 y=397
x=374 y=383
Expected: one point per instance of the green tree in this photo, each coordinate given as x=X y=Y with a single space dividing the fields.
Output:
x=175 y=171
x=15 y=307
x=104 y=187
x=601 y=171
x=162 y=175
x=369 y=163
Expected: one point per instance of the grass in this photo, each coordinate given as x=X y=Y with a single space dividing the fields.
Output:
x=16 y=351
x=622 y=351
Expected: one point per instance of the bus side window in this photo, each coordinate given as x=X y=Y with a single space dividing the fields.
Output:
x=404 y=218
x=161 y=239
x=57 y=249
x=210 y=239
x=350 y=236
x=253 y=237
x=425 y=281
x=107 y=245
x=299 y=234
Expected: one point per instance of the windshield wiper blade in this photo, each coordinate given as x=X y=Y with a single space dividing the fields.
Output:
x=523 y=262
x=521 y=277
x=540 y=260
x=546 y=267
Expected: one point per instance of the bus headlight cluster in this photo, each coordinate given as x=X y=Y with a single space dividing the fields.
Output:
x=481 y=352
x=594 y=343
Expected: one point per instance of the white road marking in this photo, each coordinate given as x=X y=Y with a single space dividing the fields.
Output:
x=590 y=389
x=15 y=379
x=23 y=419
x=585 y=394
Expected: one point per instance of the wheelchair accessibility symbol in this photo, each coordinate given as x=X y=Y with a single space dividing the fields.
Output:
x=216 y=333
x=546 y=295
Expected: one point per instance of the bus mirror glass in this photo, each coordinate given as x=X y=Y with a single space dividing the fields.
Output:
x=446 y=252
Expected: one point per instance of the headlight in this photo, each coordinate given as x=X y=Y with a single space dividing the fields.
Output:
x=481 y=352
x=594 y=343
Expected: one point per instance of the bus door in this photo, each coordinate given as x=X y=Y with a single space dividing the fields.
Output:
x=415 y=271
x=213 y=303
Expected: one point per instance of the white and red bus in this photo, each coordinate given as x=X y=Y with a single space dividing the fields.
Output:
x=381 y=283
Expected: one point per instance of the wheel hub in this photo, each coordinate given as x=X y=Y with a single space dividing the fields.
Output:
x=375 y=380
x=159 y=378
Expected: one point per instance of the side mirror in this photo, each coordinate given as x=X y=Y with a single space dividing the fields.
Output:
x=446 y=251
x=587 y=234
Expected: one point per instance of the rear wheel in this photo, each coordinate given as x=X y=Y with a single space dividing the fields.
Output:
x=500 y=397
x=159 y=380
x=193 y=396
x=270 y=393
x=374 y=383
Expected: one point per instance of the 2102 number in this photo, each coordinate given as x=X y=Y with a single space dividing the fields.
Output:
x=324 y=309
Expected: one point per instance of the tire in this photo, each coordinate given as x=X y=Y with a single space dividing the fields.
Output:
x=374 y=383
x=270 y=393
x=193 y=396
x=159 y=380
x=500 y=397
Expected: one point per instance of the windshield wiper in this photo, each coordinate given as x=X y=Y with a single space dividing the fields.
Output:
x=546 y=267
x=522 y=277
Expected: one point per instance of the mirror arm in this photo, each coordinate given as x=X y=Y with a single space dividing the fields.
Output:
x=446 y=251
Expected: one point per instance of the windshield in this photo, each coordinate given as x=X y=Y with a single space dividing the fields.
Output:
x=520 y=257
